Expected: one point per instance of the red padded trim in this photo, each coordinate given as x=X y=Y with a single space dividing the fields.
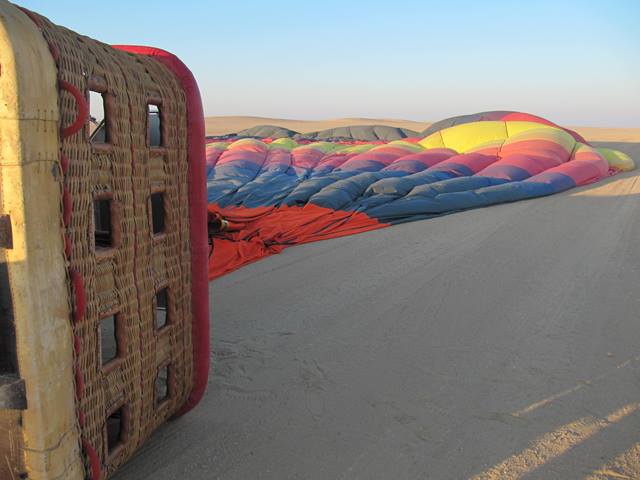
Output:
x=197 y=218
x=34 y=18
x=94 y=460
x=64 y=163
x=81 y=298
x=66 y=206
x=67 y=246
x=77 y=345
x=79 y=384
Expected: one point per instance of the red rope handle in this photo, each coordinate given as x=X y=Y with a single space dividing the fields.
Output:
x=83 y=109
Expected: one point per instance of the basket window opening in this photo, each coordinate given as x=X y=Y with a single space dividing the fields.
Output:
x=103 y=227
x=162 y=384
x=97 y=120
x=154 y=117
x=8 y=348
x=162 y=308
x=157 y=212
x=115 y=430
x=109 y=334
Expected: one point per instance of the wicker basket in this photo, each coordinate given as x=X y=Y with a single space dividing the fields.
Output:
x=98 y=283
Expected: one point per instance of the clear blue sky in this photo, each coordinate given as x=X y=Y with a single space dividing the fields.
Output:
x=575 y=62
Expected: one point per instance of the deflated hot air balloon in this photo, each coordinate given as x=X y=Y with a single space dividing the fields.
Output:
x=267 y=194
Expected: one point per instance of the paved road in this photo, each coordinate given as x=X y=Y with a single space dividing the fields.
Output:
x=493 y=344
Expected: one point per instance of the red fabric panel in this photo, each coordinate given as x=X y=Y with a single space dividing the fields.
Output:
x=197 y=219
x=263 y=231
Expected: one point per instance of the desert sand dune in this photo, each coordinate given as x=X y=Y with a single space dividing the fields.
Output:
x=229 y=124
x=601 y=134
x=224 y=125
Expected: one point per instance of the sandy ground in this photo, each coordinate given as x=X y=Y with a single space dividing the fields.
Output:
x=231 y=124
x=498 y=343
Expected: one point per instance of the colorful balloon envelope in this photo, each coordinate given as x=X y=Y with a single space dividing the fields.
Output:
x=266 y=194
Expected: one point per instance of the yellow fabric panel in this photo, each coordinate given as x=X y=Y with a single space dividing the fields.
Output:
x=412 y=147
x=584 y=148
x=552 y=134
x=432 y=141
x=324 y=147
x=561 y=136
x=462 y=138
x=218 y=145
x=617 y=159
x=475 y=135
x=514 y=127
x=356 y=148
x=286 y=143
x=248 y=143
x=486 y=145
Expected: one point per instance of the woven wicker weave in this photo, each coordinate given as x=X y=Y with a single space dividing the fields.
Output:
x=124 y=280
